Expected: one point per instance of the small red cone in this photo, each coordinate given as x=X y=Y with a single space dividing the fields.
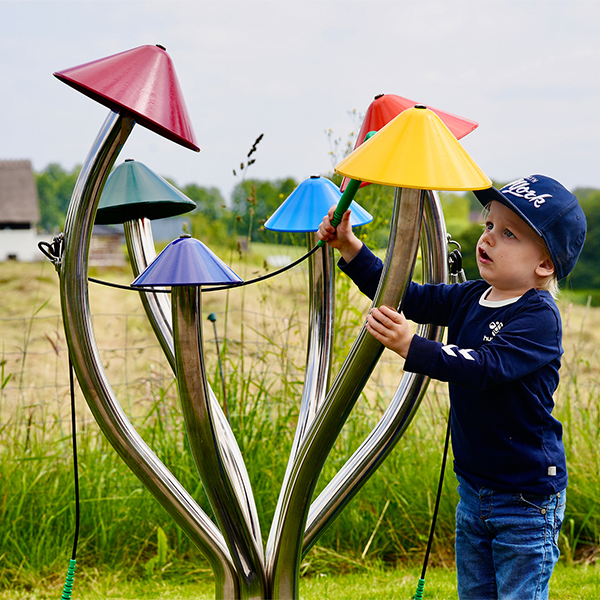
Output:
x=386 y=107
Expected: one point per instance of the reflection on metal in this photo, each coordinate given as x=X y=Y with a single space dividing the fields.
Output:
x=320 y=335
x=320 y=346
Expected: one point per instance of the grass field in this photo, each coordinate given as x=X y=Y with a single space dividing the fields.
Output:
x=576 y=582
x=369 y=552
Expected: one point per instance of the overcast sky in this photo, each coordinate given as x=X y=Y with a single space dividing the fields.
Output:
x=528 y=72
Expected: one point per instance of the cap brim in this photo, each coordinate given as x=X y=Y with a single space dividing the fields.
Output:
x=489 y=194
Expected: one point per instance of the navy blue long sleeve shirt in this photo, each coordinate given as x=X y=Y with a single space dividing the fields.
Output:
x=501 y=362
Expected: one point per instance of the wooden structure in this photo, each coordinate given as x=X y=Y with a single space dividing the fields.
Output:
x=19 y=212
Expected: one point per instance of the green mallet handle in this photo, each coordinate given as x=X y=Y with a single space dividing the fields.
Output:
x=347 y=197
x=343 y=204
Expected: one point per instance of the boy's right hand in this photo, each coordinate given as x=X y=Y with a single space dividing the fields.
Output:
x=342 y=238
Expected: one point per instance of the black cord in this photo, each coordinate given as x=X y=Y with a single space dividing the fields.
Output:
x=75 y=467
x=209 y=289
x=437 y=500
x=129 y=288
x=263 y=277
x=456 y=270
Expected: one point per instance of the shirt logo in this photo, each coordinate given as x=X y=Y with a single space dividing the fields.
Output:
x=495 y=327
x=521 y=189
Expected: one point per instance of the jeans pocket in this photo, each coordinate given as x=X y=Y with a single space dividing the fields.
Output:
x=552 y=507
x=538 y=503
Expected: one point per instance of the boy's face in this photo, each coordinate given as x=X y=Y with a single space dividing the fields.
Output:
x=510 y=255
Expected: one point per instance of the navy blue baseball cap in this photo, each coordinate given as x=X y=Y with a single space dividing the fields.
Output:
x=551 y=210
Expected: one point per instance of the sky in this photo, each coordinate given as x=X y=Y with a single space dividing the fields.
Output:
x=527 y=71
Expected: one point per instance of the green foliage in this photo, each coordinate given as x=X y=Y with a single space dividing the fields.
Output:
x=586 y=274
x=254 y=201
x=209 y=201
x=209 y=218
x=55 y=187
x=379 y=201
x=457 y=211
x=366 y=582
x=159 y=562
x=385 y=524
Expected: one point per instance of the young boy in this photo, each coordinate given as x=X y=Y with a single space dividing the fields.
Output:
x=502 y=363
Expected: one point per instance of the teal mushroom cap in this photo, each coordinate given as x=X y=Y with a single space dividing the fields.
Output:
x=133 y=191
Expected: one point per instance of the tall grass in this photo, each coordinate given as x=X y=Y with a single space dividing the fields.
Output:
x=579 y=411
x=123 y=529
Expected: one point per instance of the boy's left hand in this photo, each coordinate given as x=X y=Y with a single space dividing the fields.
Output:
x=391 y=328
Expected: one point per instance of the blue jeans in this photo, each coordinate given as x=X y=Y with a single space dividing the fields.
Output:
x=506 y=543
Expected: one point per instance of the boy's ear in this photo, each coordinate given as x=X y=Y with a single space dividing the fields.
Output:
x=545 y=268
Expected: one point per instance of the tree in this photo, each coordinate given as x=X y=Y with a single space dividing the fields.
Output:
x=209 y=201
x=55 y=187
x=254 y=201
x=586 y=274
x=209 y=218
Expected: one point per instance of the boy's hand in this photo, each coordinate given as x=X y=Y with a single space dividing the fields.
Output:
x=391 y=328
x=342 y=238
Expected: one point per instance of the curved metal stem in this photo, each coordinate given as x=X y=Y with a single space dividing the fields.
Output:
x=141 y=251
x=321 y=293
x=206 y=448
x=284 y=548
x=140 y=245
x=90 y=372
x=403 y=406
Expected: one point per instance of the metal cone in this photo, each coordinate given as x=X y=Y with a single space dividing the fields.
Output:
x=141 y=81
x=415 y=150
x=133 y=191
x=386 y=107
x=186 y=261
x=305 y=207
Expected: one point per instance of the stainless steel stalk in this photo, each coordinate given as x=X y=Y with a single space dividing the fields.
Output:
x=403 y=406
x=203 y=432
x=141 y=251
x=321 y=317
x=284 y=547
x=90 y=372
x=140 y=244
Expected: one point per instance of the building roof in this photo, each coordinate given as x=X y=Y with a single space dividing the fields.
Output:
x=18 y=193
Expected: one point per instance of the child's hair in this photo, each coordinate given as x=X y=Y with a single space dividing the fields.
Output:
x=549 y=283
